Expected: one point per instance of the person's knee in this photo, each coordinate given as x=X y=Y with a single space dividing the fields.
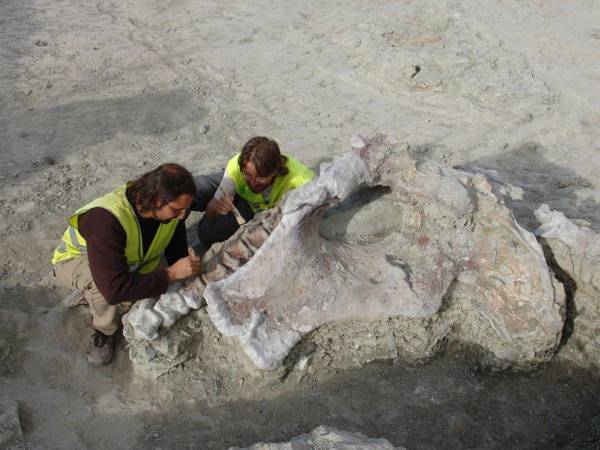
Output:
x=203 y=230
x=206 y=186
x=244 y=208
x=204 y=183
x=217 y=230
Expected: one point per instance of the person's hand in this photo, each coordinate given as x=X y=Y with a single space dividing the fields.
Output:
x=219 y=206
x=196 y=261
x=184 y=267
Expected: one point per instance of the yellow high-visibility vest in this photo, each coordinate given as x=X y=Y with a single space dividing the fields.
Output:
x=298 y=174
x=73 y=244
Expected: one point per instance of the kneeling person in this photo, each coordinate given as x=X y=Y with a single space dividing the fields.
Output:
x=254 y=180
x=111 y=250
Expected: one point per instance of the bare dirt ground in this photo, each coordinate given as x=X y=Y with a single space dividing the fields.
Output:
x=95 y=93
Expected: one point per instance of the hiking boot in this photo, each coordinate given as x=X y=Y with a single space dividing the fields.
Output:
x=101 y=349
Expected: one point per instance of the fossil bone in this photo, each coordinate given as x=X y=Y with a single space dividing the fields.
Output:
x=148 y=315
x=400 y=251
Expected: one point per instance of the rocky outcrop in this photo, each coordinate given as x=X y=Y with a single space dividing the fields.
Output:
x=575 y=249
x=384 y=256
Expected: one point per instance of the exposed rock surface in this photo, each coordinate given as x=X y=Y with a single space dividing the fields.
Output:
x=511 y=86
x=576 y=250
x=326 y=438
x=425 y=255
x=11 y=435
x=148 y=315
x=434 y=235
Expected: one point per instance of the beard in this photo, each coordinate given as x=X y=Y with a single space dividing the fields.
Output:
x=159 y=220
x=258 y=190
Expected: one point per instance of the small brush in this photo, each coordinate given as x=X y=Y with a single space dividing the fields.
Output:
x=238 y=216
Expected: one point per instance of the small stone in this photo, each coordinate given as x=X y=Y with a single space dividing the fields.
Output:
x=302 y=363
x=152 y=436
x=41 y=43
x=527 y=118
x=203 y=129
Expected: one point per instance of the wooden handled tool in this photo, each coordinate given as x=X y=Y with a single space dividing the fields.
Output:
x=238 y=216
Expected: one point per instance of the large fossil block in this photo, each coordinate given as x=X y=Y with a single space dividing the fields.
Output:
x=326 y=438
x=380 y=234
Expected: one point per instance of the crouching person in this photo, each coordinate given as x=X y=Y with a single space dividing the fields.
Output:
x=254 y=180
x=111 y=250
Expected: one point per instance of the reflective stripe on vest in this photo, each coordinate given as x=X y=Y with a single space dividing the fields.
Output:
x=298 y=174
x=73 y=234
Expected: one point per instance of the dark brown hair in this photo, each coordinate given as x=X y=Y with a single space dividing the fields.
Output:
x=160 y=186
x=265 y=155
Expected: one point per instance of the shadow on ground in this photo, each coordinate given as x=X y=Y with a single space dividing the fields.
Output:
x=543 y=182
x=441 y=405
x=85 y=123
x=49 y=135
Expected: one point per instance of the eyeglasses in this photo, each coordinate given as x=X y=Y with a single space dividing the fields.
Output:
x=258 y=180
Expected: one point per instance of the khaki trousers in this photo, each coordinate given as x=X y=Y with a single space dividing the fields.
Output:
x=75 y=273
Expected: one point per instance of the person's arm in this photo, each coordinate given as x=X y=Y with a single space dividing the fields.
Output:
x=181 y=259
x=222 y=202
x=106 y=240
x=227 y=186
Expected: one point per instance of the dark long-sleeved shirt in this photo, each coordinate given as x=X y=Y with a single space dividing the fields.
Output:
x=106 y=239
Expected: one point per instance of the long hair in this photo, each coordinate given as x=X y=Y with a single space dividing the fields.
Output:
x=160 y=186
x=265 y=155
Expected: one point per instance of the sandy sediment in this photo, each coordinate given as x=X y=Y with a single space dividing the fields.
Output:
x=93 y=94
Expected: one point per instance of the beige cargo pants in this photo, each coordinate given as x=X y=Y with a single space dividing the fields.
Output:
x=75 y=273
